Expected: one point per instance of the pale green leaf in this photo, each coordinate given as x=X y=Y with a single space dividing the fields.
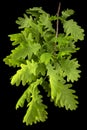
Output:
x=35 y=11
x=67 y=65
x=36 y=109
x=16 y=38
x=61 y=93
x=72 y=28
x=25 y=50
x=25 y=74
x=11 y=62
x=67 y=13
x=33 y=67
x=54 y=83
x=68 y=99
x=24 y=22
x=27 y=95
x=66 y=45
x=47 y=23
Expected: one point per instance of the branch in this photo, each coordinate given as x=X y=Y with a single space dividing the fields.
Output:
x=57 y=24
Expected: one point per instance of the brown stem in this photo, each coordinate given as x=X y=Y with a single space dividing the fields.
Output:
x=57 y=23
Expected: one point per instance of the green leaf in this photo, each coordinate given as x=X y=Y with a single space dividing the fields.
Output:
x=67 y=65
x=26 y=48
x=54 y=83
x=67 y=13
x=36 y=109
x=11 y=62
x=24 y=22
x=68 y=99
x=26 y=74
x=45 y=58
x=17 y=38
x=27 y=95
x=66 y=45
x=35 y=11
x=72 y=28
x=36 y=112
x=61 y=93
x=47 y=23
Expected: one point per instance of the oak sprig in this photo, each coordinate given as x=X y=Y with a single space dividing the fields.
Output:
x=44 y=59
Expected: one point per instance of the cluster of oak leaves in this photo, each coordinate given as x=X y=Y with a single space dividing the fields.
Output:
x=44 y=60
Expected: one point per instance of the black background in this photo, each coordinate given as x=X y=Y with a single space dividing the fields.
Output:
x=57 y=118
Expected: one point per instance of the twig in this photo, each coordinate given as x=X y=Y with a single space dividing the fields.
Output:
x=57 y=23
x=57 y=27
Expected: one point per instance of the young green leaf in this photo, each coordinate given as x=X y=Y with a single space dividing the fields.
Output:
x=68 y=99
x=67 y=65
x=71 y=28
x=26 y=74
x=67 y=13
x=36 y=111
x=45 y=58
